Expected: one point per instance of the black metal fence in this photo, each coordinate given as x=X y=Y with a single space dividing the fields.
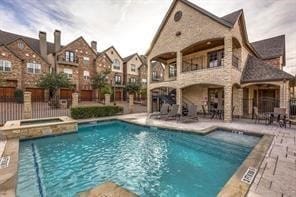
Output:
x=11 y=108
x=54 y=107
x=264 y=104
x=292 y=105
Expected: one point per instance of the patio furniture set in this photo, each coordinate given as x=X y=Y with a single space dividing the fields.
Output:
x=279 y=115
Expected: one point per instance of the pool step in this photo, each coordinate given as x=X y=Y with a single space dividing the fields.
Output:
x=106 y=189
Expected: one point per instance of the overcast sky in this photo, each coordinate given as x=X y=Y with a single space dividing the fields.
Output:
x=130 y=25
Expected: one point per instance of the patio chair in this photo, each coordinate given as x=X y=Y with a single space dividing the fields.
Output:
x=281 y=115
x=259 y=116
x=204 y=111
x=173 y=113
x=192 y=114
x=164 y=110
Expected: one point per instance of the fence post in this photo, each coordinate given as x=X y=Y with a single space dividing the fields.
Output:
x=27 y=113
x=74 y=99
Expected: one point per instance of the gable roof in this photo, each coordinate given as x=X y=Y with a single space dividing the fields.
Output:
x=271 y=47
x=7 y=37
x=257 y=70
x=80 y=37
x=11 y=51
x=232 y=17
x=126 y=59
x=227 y=20
x=104 y=54
x=144 y=60
x=112 y=47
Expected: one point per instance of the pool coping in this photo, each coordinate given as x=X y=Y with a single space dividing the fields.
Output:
x=233 y=187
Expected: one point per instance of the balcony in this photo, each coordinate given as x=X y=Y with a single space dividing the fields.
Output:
x=62 y=60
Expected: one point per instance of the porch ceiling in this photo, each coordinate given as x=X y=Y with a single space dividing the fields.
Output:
x=203 y=45
x=165 y=57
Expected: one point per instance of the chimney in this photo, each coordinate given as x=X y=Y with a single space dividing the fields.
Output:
x=94 y=45
x=57 y=40
x=43 y=44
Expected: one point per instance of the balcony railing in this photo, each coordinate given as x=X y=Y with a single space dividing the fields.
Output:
x=62 y=59
x=195 y=63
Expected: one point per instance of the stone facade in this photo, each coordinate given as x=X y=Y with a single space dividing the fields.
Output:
x=177 y=41
x=14 y=129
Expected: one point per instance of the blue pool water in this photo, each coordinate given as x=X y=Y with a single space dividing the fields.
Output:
x=147 y=161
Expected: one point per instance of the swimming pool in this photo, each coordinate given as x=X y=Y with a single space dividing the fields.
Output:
x=147 y=161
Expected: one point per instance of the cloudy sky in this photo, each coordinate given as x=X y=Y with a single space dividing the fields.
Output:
x=130 y=25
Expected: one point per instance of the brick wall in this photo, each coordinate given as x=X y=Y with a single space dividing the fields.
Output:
x=29 y=56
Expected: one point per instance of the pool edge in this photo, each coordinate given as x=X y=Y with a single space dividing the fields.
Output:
x=234 y=186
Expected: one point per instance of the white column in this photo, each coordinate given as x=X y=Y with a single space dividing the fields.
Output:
x=179 y=98
x=149 y=99
x=179 y=64
x=227 y=78
x=228 y=103
x=284 y=95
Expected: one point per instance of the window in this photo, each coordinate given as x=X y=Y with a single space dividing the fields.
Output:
x=68 y=72
x=20 y=44
x=132 y=80
x=116 y=64
x=117 y=79
x=144 y=81
x=85 y=60
x=154 y=76
x=86 y=75
x=5 y=65
x=70 y=56
x=133 y=67
x=172 y=70
x=33 y=68
x=216 y=59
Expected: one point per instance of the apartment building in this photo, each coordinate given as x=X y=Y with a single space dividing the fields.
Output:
x=23 y=60
x=22 y=63
x=209 y=61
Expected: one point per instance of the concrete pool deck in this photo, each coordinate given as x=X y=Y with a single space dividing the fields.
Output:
x=276 y=175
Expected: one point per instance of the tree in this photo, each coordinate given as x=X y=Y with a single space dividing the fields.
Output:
x=132 y=88
x=100 y=80
x=106 y=89
x=53 y=82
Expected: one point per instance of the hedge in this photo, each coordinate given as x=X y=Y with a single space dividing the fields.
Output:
x=94 y=111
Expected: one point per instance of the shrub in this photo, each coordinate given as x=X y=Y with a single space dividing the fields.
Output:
x=19 y=96
x=94 y=111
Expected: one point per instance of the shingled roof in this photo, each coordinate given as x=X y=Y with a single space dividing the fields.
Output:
x=257 y=70
x=126 y=59
x=271 y=47
x=7 y=37
x=232 y=17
